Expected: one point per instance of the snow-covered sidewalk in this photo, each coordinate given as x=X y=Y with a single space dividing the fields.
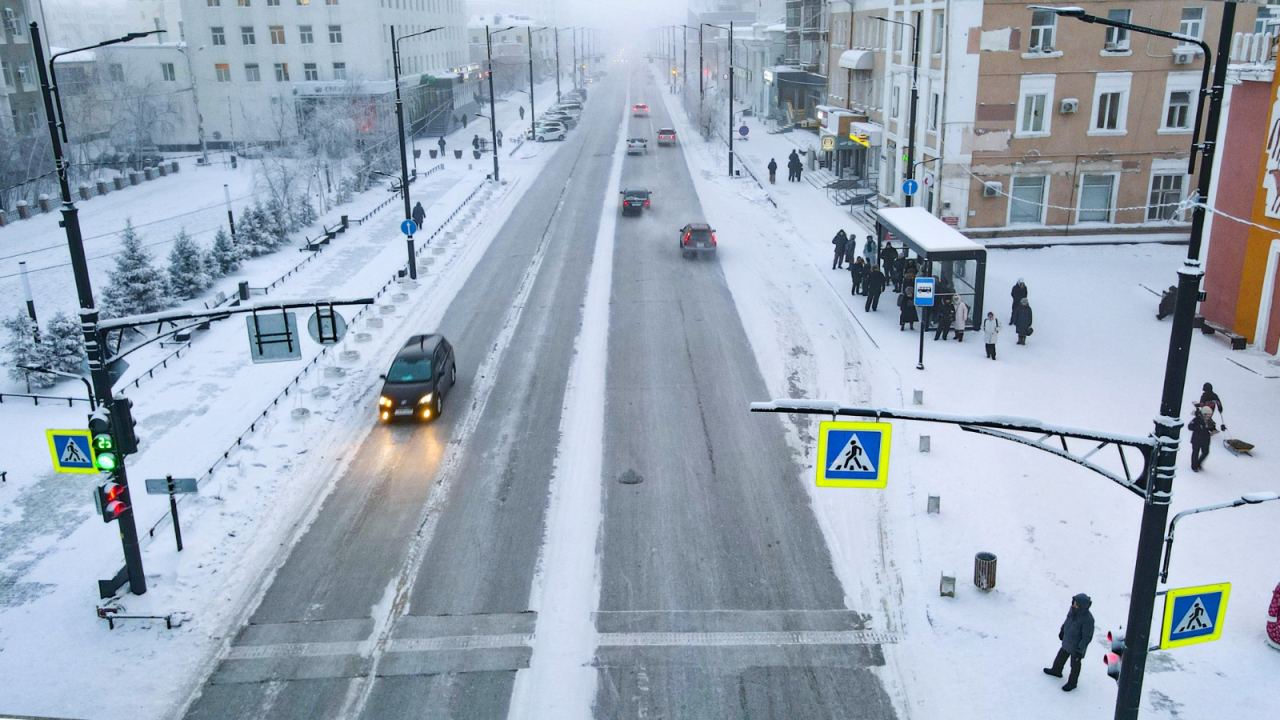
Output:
x=1096 y=360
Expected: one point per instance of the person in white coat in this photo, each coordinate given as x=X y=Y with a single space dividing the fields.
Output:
x=960 y=318
x=990 y=329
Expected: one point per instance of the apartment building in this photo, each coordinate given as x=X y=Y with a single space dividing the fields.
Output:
x=258 y=61
x=517 y=40
x=21 y=106
x=1028 y=123
x=801 y=87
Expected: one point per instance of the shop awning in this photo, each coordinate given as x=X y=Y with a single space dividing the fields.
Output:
x=856 y=59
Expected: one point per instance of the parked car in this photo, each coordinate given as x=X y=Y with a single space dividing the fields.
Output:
x=637 y=146
x=565 y=119
x=573 y=108
x=541 y=127
x=579 y=96
x=667 y=136
x=550 y=132
x=640 y=110
x=635 y=201
x=414 y=387
x=697 y=239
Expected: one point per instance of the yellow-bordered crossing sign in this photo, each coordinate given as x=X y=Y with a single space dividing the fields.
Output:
x=1194 y=615
x=72 y=451
x=853 y=454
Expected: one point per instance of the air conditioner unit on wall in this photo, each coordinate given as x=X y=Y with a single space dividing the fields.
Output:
x=990 y=189
x=1183 y=56
x=1068 y=105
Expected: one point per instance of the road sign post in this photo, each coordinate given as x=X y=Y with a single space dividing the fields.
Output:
x=924 y=291
x=853 y=454
x=173 y=487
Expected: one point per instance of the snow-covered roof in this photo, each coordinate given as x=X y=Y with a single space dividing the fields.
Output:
x=925 y=231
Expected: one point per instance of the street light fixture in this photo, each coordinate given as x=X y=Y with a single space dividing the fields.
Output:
x=730 y=29
x=1256 y=498
x=533 y=130
x=493 y=113
x=96 y=350
x=915 y=99
x=1159 y=483
x=404 y=161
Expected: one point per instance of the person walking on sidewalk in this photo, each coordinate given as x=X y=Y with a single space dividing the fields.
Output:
x=1076 y=633
x=840 y=241
x=946 y=315
x=990 y=329
x=440 y=142
x=521 y=112
x=1019 y=293
x=858 y=271
x=1210 y=398
x=907 y=314
x=875 y=286
x=773 y=171
x=888 y=257
x=869 y=249
x=1202 y=428
x=419 y=215
x=475 y=142
x=1022 y=321
x=498 y=136
x=960 y=321
x=793 y=167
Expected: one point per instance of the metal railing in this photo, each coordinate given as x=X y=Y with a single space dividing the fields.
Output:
x=35 y=399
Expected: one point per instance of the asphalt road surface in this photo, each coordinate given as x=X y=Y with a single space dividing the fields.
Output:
x=717 y=595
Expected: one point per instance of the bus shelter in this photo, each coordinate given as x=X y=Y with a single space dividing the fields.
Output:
x=957 y=263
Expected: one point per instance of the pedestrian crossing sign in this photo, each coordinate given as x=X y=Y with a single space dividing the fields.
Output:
x=1194 y=615
x=72 y=451
x=853 y=454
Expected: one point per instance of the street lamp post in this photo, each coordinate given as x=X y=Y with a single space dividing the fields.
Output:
x=95 y=346
x=533 y=130
x=915 y=99
x=557 y=65
x=1168 y=426
x=493 y=113
x=404 y=161
x=730 y=28
x=195 y=100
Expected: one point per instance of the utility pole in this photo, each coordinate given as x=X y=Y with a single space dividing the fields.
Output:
x=404 y=161
x=532 y=113
x=95 y=349
x=731 y=98
x=557 y=65
x=195 y=100
x=493 y=115
x=915 y=101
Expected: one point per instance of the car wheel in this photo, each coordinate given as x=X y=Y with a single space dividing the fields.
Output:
x=439 y=406
x=541 y=139
x=453 y=375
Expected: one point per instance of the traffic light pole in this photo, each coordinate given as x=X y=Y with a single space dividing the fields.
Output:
x=95 y=345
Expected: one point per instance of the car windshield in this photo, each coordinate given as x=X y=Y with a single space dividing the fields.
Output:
x=410 y=370
x=637 y=194
x=666 y=131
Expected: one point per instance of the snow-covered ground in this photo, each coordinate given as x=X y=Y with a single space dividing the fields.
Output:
x=266 y=441
x=1096 y=361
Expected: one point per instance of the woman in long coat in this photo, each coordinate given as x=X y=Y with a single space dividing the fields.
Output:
x=907 y=311
x=1022 y=321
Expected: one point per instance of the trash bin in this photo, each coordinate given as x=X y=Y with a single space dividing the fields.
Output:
x=984 y=570
x=476 y=154
x=457 y=154
x=432 y=152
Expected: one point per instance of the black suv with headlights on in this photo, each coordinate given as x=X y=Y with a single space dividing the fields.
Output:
x=423 y=371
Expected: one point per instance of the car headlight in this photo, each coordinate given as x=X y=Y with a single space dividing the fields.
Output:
x=425 y=399
x=384 y=401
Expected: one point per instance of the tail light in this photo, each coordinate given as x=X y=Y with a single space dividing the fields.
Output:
x=646 y=203
x=686 y=238
x=713 y=238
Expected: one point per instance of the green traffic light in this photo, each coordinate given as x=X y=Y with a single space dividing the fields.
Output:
x=107 y=462
x=104 y=443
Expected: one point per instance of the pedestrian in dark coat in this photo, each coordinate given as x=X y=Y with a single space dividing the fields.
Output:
x=793 y=167
x=946 y=315
x=869 y=249
x=498 y=137
x=990 y=329
x=1076 y=634
x=1019 y=294
x=521 y=112
x=889 y=256
x=1210 y=398
x=773 y=171
x=475 y=141
x=464 y=121
x=1202 y=428
x=1168 y=301
x=840 y=241
x=440 y=142
x=875 y=286
x=907 y=314
x=1022 y=321
x=858 y=270
x=419 y=215
x=899 y=267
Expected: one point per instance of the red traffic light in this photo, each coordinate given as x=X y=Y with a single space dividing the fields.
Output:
x=111 y=499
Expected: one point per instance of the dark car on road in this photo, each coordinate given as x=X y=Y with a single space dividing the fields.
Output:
x=635 y=201
x=423 y=371
x=697 y=239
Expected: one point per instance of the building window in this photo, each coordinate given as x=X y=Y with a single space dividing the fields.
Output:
x=1110 y=103
x=330 y=2
x=1117 y=39
x=219 y=35
x=1166 y=194
x=1034 y=104
x=310 y=72
x=215 y=3
x=223 y=72
x=273 y=3
x=1178 y=116
x=1268 y=19
x=935 y=111
x=340 y=71
x=282 y=72
x=115 y=71
x=8 y=74
x=243 y=3
x=304 y=35
x=167 y=72
x=251 y=72
x=1192 y=22
x=894 y=97
x=246 y=35
x=1095 y=198
x=277 y=34
x=335 y=34
x=1043 y=25
x=304 y=2
x=939 y=32
x=1026 y=199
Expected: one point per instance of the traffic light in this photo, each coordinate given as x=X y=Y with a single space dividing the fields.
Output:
x=123 y=426
x=105 y=452
x=111 y=500
x=673 y=72
x=1112 y=659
